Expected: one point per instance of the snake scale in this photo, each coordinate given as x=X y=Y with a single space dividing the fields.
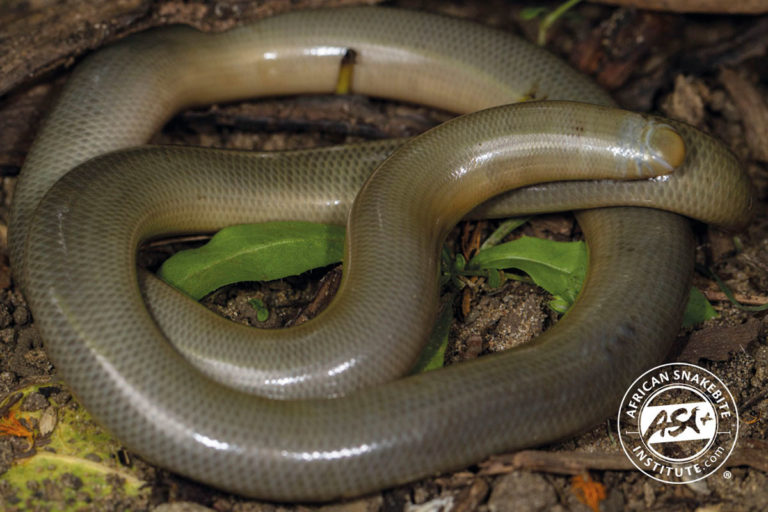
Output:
x=73 y=247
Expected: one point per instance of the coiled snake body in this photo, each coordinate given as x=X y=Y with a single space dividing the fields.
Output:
x=74 y=250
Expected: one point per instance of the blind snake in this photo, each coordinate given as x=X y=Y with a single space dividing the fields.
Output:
x=73 y=248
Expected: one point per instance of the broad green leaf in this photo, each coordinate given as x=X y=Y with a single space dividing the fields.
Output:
x=254 y=252
x=558 y=267
x=698 y=309
x=75 y=449
x=263 y=252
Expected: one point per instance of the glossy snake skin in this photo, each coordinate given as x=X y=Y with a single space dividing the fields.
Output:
x=74 y=251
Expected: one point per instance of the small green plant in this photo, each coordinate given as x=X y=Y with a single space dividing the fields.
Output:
x=549 y=17
x=274 y=250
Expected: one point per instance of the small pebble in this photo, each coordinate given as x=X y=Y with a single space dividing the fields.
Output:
x=48 y=421
x=34 y=402
x=5 y=316
x=522 y=491
x=181 y=506
x=71 y=481
x=7 y=335
x=21 y=315
x=93 y=457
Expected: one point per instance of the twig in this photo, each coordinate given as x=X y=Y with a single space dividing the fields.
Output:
x=752 y=300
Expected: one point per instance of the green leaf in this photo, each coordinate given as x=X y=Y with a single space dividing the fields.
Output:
x=560 y=305
x=263 y=252
x=727 y=291
x=254 y=252
x=494 y=278
x=558 y=267
x=503 y=230
x=459 y=263
x=432 y=356
x=552 y=17
x=75 y=449
x=262 y=312
x=698 y=309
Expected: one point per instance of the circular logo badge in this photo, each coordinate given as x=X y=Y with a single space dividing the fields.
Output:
x=678 y=423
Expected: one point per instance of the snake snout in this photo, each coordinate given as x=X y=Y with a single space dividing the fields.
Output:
x=666 y=148
x=654 y=148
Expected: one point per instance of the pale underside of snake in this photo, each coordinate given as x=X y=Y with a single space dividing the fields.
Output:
x=74 y=250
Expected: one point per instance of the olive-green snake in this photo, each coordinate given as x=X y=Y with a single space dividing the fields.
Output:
x=74 y=251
